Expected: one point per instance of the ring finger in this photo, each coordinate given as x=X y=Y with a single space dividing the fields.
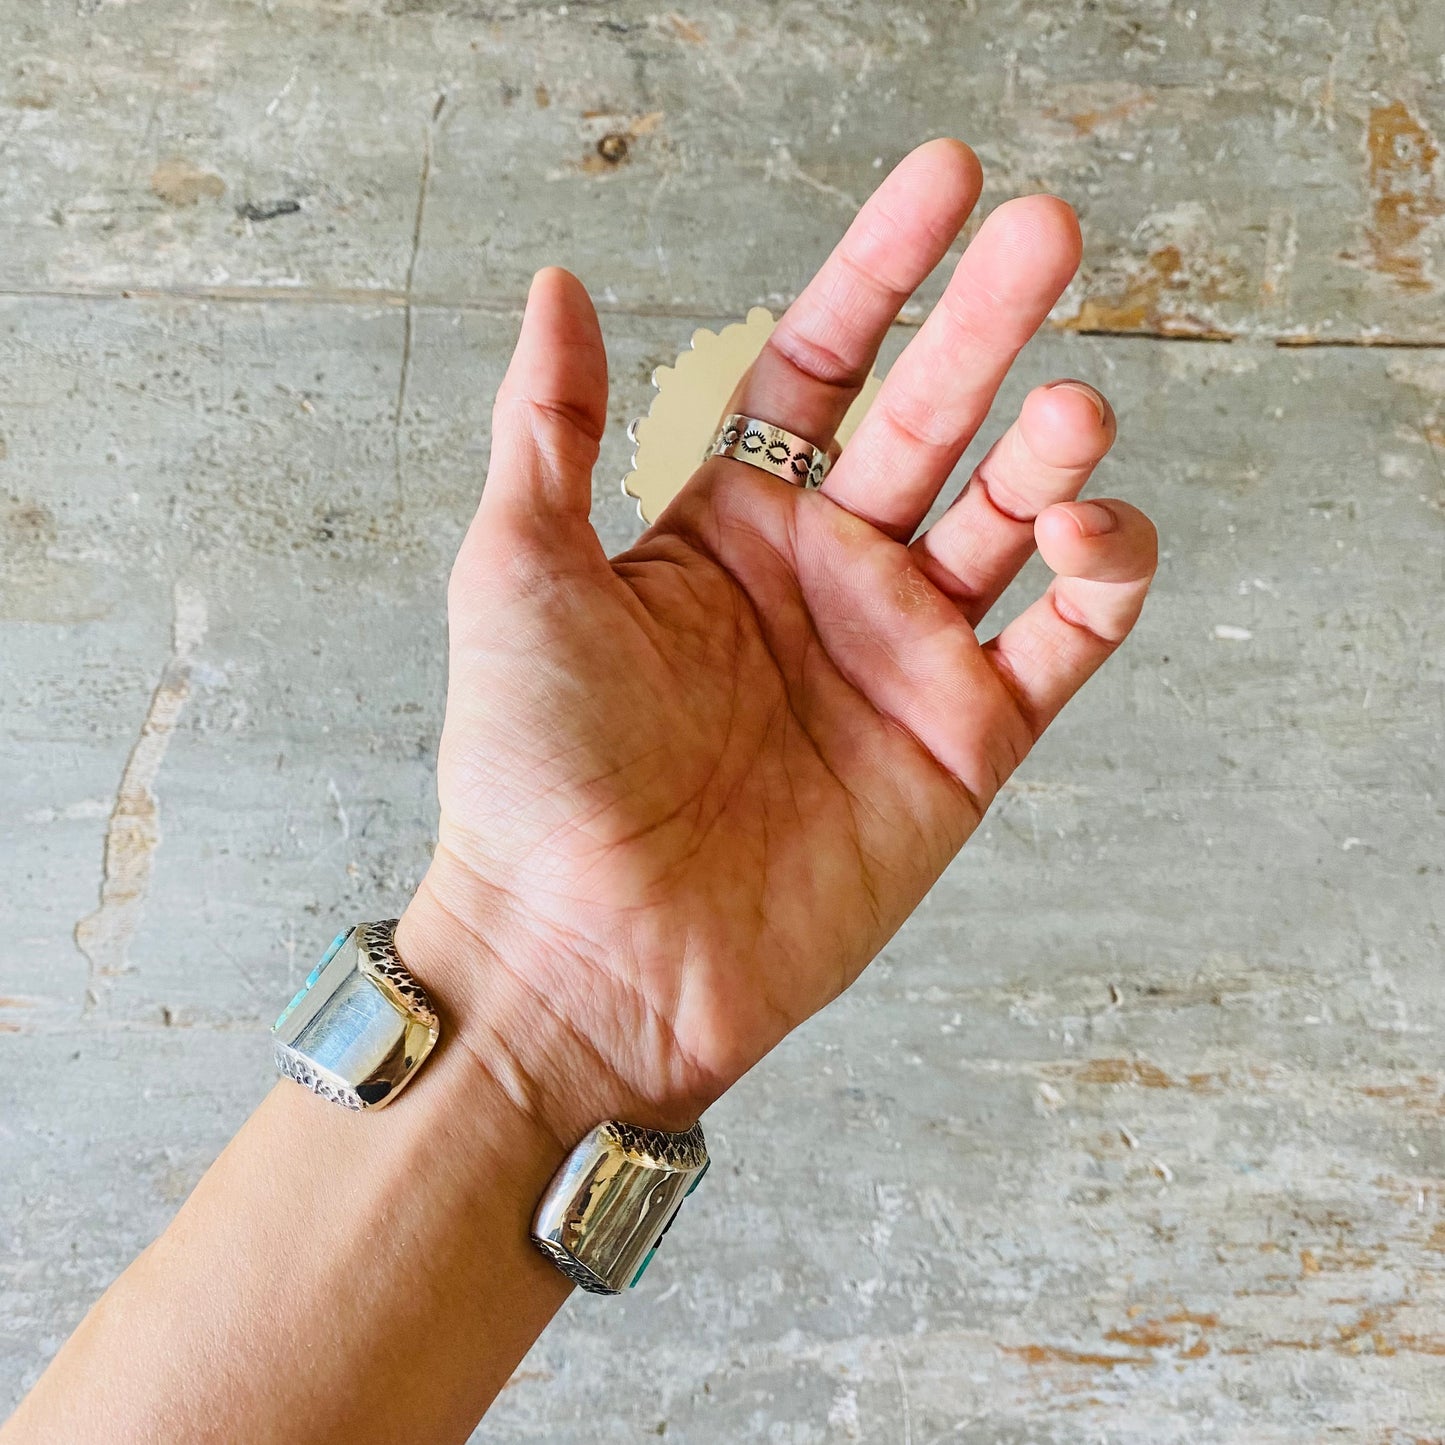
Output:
x=978 y=546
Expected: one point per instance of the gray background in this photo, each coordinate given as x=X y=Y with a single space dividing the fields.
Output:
x=1134 y=1133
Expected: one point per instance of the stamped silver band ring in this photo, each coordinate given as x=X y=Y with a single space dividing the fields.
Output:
x=770 y=448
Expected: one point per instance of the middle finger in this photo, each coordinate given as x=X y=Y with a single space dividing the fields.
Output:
x=939 y=390
x=821 y=351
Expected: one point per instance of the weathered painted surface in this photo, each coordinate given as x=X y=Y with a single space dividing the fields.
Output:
x=1240 y=169
x=1134 y=1134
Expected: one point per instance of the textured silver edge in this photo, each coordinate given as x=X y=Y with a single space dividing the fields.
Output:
x=379 y=961
x=574 y=1269
x=303 y=1071
x=657 y=1149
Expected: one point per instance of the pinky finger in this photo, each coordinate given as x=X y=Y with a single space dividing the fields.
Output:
x=1104 y=554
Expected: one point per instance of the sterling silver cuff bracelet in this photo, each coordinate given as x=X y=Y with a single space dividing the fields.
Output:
x=615 y=1196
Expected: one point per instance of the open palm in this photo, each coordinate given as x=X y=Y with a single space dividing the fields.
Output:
x=690 y=791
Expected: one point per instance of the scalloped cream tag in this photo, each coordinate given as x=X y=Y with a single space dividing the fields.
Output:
x=670 y=441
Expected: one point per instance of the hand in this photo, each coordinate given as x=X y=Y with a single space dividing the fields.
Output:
x=689 y=792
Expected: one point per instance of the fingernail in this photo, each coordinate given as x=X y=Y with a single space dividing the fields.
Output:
x=1084 y=389
x=1093 y=519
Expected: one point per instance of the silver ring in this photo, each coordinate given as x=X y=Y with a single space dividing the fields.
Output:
x=771 y=449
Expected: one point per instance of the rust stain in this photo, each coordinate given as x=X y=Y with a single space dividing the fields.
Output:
x=1086 y=122
x=8 y=1028
x=1124 y=1071
x=611 y=151
x=1405 y=193
x=28 y=526
x=524 y=1377
x=1422 y=1344
x=633 y=126
x=1360 y=1257
x=1256 y=1348
x=1366 y=1325
x=1437 y=1238
x=688 y=30
x=542 y=96
x=614 y=145
x=1167 y=1331
x=1424 y=1093
x=1411 y=1191
x=178 y=182
x=1142 y=304
x=1151 y=1335
x=17 y=1003
x=1055 y=1355
x=1334 y=1260
x=1367 y=1333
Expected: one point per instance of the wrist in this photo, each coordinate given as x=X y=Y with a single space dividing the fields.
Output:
x=506 y=994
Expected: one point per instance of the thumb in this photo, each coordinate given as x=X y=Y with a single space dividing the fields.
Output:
x=550 y=413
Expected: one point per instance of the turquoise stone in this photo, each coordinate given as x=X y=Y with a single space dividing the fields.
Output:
x=642 y=1268
x=311 y=978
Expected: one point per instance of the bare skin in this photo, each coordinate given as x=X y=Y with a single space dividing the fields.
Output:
x=687 y=793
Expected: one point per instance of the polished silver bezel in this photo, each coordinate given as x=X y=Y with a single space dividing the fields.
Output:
x=360 y=1025
x=613 y=1199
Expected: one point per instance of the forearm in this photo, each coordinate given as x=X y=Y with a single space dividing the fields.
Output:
x=347 y=1277
x=334 y=1277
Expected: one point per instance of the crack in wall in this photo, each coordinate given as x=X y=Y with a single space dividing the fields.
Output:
x=912 y=316
x=133 y=831
x=408 y=314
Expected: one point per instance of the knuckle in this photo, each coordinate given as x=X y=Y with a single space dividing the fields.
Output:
x=978 y=316
x=800 y=347
x=918 y=422
x=868 y=261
